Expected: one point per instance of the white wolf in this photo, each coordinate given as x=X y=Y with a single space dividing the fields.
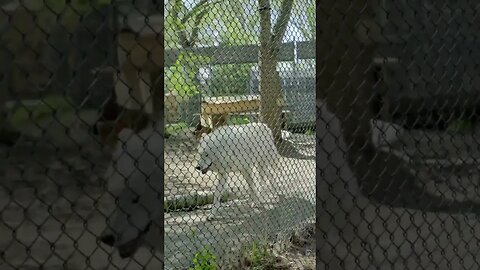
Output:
x=135 y=178
x=239 y=148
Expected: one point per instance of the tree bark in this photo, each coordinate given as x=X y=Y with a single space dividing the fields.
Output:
x=345 y=83
x=272 y=100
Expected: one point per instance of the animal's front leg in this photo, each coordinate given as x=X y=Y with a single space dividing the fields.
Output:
x=247 y=174
x=217 y=195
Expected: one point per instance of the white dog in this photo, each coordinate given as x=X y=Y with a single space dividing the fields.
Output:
x=238 y=148
x=135 y=179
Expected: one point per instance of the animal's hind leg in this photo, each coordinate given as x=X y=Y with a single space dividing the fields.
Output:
x=217 y=195
x=248 y=175
x=270 y=173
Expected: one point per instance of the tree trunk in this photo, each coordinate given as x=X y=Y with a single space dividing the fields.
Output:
x=345 y=83
x=272 y=101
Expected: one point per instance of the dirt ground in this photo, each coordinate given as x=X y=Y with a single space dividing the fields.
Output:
x=301 y=254
x=187 y=233
x=53 y=205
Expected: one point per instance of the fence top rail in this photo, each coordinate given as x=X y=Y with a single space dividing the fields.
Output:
x=244 y=54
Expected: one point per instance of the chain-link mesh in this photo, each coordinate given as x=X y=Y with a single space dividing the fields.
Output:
x=239 y=111
x=103 y=170
x=64 y=106
x=397 y=140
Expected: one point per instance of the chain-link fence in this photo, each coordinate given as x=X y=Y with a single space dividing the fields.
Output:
x=397 y=139
x=92 y=148
x=239 y=111
x=62 y=110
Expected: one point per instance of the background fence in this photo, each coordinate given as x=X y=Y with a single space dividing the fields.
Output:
x=73 y=76
x=397 y=155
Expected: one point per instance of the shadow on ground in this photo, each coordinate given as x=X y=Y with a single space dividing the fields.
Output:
x=237 y=225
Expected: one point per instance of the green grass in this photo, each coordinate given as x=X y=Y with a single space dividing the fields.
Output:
x=260 y=257
x=175 y=128
x=310 y=132
x=204 y=260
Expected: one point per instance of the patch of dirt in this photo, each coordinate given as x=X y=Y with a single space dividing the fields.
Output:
x=298 y=254
x=301 y=254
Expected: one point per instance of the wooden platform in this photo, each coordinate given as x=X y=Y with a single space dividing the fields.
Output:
x=216 y=110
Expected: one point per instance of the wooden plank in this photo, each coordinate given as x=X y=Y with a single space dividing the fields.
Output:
x=225 y=108
x=230 y=104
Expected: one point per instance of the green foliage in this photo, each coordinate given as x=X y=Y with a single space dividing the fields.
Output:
x=181 y=77
x=310 y=132
x=238 y=120
x=234 y=27
x=239 y=29
x=204 y=260
x=183 y=25
x=304 y=18
x=232 y=79
x=261 y=257
x=175 y=128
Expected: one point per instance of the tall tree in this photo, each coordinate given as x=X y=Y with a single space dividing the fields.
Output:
x=272 y=101
x=183 y=27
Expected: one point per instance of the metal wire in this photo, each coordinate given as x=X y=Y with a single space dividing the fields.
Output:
x=109 y=109
x=239 y=106
x=396 y=135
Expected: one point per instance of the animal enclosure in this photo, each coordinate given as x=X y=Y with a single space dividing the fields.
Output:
x=239 y=165
x=101 y=108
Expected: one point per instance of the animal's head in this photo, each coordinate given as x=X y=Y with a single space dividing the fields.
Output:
x=206 y=154
x=133 y=217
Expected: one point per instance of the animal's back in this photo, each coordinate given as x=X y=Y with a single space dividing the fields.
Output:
x=242 y=145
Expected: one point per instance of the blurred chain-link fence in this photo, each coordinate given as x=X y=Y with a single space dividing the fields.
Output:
x=397 y=135
x=62 y=107
x=92 y=148
x=239 y=112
